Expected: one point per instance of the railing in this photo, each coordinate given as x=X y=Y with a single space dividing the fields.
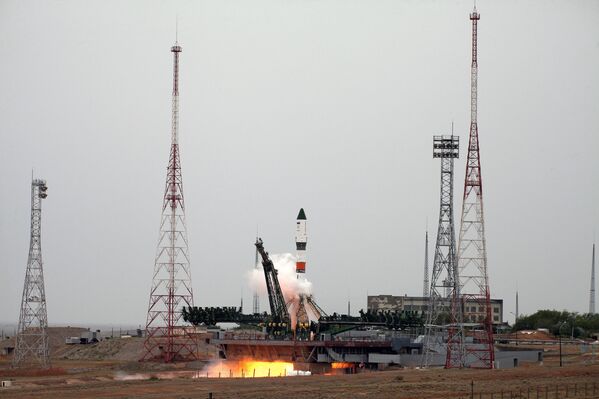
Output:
x=550 y=391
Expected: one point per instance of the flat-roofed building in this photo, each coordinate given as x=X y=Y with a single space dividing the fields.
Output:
x=473 y=312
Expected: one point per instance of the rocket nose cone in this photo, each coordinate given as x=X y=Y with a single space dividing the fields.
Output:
x=301 y=215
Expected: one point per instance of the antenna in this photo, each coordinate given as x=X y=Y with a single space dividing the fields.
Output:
x=256 y=298
x=517 y=315
x=592 y=293
x=425 y=288
x=177 y=29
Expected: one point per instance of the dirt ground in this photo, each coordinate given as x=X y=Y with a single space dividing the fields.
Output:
x=113 y=378
x=407 y=383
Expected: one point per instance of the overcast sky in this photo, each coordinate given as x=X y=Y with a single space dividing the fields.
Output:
x=327 y=105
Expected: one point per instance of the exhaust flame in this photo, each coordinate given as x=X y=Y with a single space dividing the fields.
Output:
x=247 y=368
x=342 y=365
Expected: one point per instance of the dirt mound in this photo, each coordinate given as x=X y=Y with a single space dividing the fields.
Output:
x=113 y=349
x=126 y=349
x=56 y=337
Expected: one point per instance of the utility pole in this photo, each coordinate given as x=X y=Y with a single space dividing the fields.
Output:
x=32 y=336
x=559 y=332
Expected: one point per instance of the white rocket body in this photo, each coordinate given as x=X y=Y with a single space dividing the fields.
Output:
x=301 y=240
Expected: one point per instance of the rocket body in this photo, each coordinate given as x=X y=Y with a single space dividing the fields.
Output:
x=301 y=239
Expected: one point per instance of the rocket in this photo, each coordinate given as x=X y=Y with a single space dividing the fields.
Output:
x=301 y=240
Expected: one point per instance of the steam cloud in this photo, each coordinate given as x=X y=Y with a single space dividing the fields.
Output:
x=291 y=286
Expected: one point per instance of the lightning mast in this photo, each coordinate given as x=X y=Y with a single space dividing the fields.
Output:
x=167 y=339
x=256 y=299
x=592 y=299
x=472 y=250
x=517 y=309
x=32 y=336
x=425 y=287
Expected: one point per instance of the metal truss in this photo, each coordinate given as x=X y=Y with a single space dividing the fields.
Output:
x=443 y=330
x=167 y=338
x=32 y=335
x=472 y=252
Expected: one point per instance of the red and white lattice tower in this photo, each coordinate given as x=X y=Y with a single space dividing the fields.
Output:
x=167 y=338
x=472 y=252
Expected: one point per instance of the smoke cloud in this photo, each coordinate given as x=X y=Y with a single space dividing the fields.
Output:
x=291 y=285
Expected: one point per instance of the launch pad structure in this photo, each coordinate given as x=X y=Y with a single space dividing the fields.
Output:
x=371 y=341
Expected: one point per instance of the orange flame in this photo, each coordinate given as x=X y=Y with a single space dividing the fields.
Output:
x=247 y=368
x=341 y=365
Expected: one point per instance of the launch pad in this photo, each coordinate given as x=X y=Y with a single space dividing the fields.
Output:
x=319 y=343
x=374 y=350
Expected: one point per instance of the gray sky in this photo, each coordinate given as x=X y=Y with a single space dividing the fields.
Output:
x=326 y=105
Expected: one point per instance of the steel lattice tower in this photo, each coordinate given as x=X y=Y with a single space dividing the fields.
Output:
x=472 y=251
x=32 y=336
x=444 y=288
x=167 y=339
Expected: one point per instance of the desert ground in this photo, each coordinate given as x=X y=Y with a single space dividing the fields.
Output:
x=110 y=369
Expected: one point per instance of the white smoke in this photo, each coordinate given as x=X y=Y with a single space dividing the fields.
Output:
x=291 y=285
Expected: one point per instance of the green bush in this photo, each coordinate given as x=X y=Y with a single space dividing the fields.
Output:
x=564 y=322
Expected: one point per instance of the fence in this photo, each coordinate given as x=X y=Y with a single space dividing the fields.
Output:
x=551 y=391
